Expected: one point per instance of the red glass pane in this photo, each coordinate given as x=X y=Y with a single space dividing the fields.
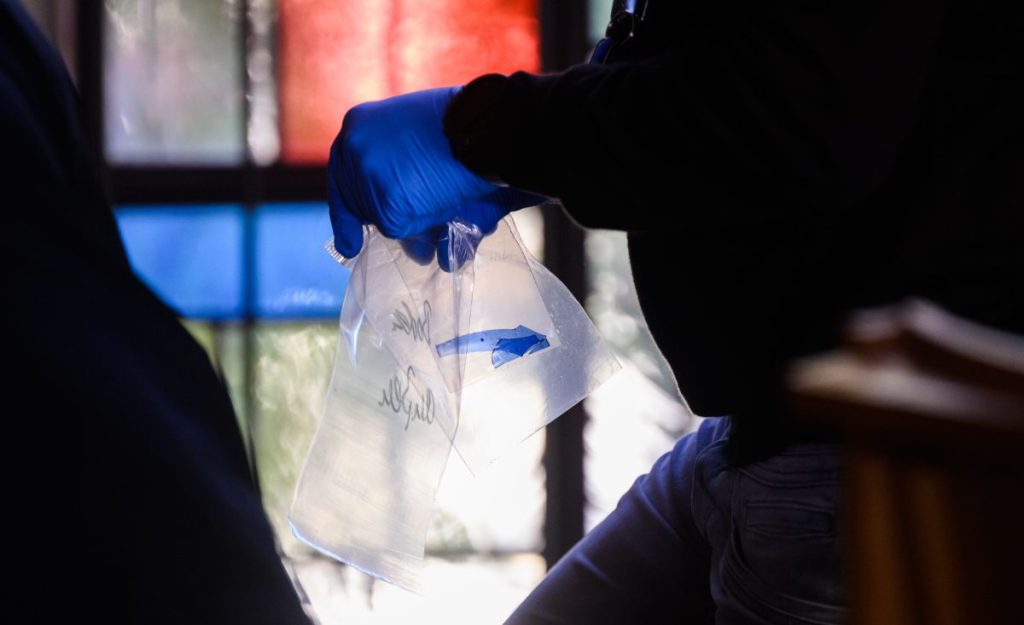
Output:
x=334 y=55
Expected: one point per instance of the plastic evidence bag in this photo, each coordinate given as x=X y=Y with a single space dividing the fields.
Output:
x=474 y=359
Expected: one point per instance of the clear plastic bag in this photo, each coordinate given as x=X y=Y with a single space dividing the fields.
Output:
x=475 y=359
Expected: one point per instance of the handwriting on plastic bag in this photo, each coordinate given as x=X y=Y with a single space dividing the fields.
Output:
x=402 y=398
x=407 y=322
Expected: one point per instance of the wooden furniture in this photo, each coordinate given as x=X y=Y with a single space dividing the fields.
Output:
x=931 y=409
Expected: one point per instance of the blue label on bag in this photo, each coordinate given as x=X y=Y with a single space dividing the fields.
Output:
x=505 y=345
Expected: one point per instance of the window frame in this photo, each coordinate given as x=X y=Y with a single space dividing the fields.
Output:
x=563 y=42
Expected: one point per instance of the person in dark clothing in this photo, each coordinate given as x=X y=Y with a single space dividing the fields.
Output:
x=776 y=165
x=135 y=500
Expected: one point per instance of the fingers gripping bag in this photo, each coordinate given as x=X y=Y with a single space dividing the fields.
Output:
x=471 y=357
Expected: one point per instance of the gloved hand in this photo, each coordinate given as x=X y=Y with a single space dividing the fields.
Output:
x=391 y=166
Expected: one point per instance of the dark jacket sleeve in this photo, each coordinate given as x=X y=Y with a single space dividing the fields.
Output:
x=755 y=109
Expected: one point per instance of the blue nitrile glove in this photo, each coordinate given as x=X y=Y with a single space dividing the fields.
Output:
x=391 y=166
x=479 y=217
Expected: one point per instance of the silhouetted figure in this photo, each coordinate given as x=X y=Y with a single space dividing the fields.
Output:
x=132 y=496
x=776 y=165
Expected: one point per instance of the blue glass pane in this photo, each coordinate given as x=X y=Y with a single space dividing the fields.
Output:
x=296 y=278
x=191 y=256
